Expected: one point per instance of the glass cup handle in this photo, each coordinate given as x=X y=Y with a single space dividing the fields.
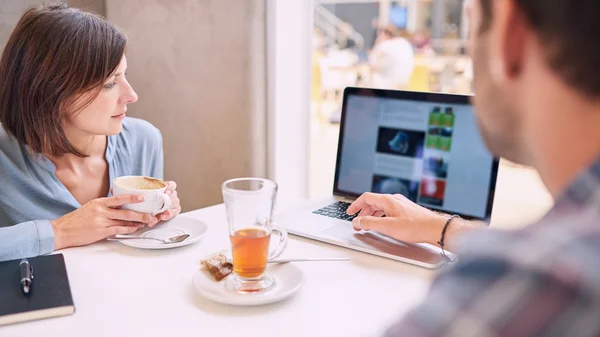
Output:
x=283 y=238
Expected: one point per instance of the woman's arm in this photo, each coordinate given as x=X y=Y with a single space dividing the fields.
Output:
x=27 y=239
x=94 y=221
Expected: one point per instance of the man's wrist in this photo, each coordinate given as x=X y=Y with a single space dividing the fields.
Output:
x=436 y=226
x=457 y=227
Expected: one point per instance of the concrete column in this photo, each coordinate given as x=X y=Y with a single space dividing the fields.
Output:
x=94 y=6
x=413 y=15
x=384 y=12
x=438 y=19
x=10 y=13
x=199 y=68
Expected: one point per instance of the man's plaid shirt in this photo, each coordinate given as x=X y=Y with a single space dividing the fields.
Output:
x=540 y=281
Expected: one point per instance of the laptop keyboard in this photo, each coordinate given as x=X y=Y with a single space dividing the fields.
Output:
x=337 y=211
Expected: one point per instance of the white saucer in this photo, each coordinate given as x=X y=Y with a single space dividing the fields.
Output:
x=176 y=226
x=288 y=280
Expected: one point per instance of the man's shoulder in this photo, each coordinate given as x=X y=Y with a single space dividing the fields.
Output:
x=569 y=242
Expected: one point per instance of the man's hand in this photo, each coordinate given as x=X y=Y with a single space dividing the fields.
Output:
x=404 y=220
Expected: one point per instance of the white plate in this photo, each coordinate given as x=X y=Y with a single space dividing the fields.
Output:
x=288 y=280
x=176 y=226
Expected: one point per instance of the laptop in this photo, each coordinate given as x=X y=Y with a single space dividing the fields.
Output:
x=425 y=146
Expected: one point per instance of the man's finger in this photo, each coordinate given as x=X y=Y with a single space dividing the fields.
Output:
x=374 y=223
x=366 y=211
x=376 y=201
x=121 y=200
x=378 y=214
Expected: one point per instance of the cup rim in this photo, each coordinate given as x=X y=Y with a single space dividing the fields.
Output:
x=268 y=183
x=114 y=181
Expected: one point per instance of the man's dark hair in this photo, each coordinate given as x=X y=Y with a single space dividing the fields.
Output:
x=55 y=54
x=569 y=30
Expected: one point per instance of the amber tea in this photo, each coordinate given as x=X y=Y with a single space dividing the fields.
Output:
x=250 y=250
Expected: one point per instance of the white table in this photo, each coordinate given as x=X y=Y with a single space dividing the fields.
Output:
x=123 y=291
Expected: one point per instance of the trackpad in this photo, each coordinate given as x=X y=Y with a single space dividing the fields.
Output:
x=375 y=241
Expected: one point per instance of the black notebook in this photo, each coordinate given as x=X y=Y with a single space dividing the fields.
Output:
x=50 y=294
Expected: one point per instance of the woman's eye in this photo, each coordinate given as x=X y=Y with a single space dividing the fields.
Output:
x=110 y=85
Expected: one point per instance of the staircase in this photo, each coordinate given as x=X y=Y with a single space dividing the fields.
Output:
x=333 y=28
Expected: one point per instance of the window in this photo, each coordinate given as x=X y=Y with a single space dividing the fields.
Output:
x=415 y=45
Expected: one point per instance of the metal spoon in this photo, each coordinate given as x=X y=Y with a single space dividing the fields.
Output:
x=175 y=239
x=317 y=259
x=310 y=259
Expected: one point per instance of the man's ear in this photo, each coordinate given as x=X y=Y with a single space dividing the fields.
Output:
x=507 y=41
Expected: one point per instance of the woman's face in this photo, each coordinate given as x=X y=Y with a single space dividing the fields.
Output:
x=104 y=116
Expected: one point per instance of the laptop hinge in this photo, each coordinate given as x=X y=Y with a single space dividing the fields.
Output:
x=343 y=198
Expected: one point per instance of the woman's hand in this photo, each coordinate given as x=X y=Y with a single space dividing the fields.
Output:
x=97 y=220
x=175 y=204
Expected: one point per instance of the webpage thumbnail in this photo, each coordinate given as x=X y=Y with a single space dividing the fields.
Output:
x=392 y=185
x=444 y=118
x=400 y=142
x=441 y=128
x=432 y=191
x=435 y=166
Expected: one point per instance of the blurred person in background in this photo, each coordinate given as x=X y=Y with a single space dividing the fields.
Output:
x=392 y=60
x=422 y=43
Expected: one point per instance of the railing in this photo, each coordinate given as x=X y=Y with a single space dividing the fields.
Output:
x=333 y=27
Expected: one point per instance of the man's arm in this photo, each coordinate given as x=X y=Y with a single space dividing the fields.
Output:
x=457 y=229
x=408 y=222
x=490 y=296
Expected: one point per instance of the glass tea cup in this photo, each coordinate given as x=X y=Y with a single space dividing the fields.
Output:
x=249 y=203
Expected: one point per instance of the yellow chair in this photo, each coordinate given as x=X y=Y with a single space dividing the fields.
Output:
x=419 y=80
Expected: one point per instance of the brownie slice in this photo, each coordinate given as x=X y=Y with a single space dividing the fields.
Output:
x=218 y=266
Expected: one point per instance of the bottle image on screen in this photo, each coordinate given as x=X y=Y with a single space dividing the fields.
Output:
x=435 y=117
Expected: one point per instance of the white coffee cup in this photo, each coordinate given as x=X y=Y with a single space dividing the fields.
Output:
x=153 y=190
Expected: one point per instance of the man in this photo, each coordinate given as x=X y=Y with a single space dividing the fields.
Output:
x=537 y=85
x=392 y=60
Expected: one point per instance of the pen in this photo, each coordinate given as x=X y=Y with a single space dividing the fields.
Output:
x=26 y=272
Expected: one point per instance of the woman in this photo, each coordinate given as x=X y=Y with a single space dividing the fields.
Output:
x=65 y=135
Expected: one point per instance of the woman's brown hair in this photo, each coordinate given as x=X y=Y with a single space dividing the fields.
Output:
x=55 y=54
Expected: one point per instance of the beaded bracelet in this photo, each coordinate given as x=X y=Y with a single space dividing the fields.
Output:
x=441 y=242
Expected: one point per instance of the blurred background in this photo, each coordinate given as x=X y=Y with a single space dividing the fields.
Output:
x=417 y=45
x=254 y=87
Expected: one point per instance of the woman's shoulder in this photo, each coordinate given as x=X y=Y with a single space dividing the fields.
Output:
x=139 y=131
x=9 y=146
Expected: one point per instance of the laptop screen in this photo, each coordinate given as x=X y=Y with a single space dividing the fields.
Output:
x=424 y=146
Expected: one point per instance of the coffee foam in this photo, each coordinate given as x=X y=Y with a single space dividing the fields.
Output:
x=141 y=183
